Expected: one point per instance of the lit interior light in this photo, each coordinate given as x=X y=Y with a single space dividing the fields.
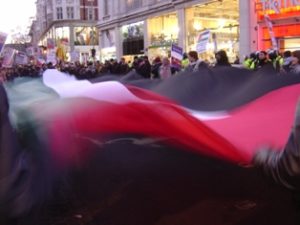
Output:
x=221 y=23
x=197 y=26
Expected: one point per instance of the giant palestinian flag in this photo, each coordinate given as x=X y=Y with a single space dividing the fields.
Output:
x=226 y=113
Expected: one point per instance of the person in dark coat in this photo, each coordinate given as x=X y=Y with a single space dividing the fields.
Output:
x=222 y=59
x=144 y=67
x=123 y=67
x=263 y=60
x=155 y=67
x=287 y=61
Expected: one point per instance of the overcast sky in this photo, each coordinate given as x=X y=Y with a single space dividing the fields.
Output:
x=15 y=14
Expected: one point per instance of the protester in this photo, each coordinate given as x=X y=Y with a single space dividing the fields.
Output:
x=263 y=60
x=144 y=67
x=195 y=62
x=184 y=61
x=135 y=63
x=165 y=69
x=155 y=67
x=250 y=62
x=221 y=59
x=287 y=61
x=275 y=59
x=123 y=66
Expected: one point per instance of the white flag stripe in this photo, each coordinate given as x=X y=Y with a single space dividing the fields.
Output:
x=67 y=86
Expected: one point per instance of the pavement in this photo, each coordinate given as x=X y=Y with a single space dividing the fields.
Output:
x=129 y=184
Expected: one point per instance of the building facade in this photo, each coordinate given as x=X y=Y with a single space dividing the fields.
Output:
x=137 y=27
x=71 y=23
x=283 y=29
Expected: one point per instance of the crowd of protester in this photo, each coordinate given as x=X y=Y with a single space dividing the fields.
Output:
x=161 y=67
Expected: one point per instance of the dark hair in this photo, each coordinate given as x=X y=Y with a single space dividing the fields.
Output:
x=297 y=54
x=273 y=54
x=263 y=52
x=287 y=54
x=253 y=55
x=223 y=58
x=193 y=54
x=157 y=59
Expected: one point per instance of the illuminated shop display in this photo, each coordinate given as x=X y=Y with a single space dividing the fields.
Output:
x=85 y=36
x=62 y=33
x=222 y=19
x=162 y=33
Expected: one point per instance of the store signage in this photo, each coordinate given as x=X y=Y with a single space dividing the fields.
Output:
x=277 y=5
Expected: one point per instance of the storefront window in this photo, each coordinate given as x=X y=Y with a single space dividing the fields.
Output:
x=85 y=36
x=108 y=53
x=163 y=30
x=133 y=39
x=222 y=19
x=62 y=33
x=134 y=30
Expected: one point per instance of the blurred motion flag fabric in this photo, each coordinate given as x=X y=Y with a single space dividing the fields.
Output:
x=226 y=113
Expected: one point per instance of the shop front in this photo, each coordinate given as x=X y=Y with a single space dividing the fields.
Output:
x=85 y=39
x=284 y=25
x=162 y=33
x=73 y=41
x=133 y=40
x=221 y=18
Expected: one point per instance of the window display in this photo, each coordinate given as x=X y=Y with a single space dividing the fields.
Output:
x=62 y=33
x=85 y=36
x=163 y=30
x=222 y=20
